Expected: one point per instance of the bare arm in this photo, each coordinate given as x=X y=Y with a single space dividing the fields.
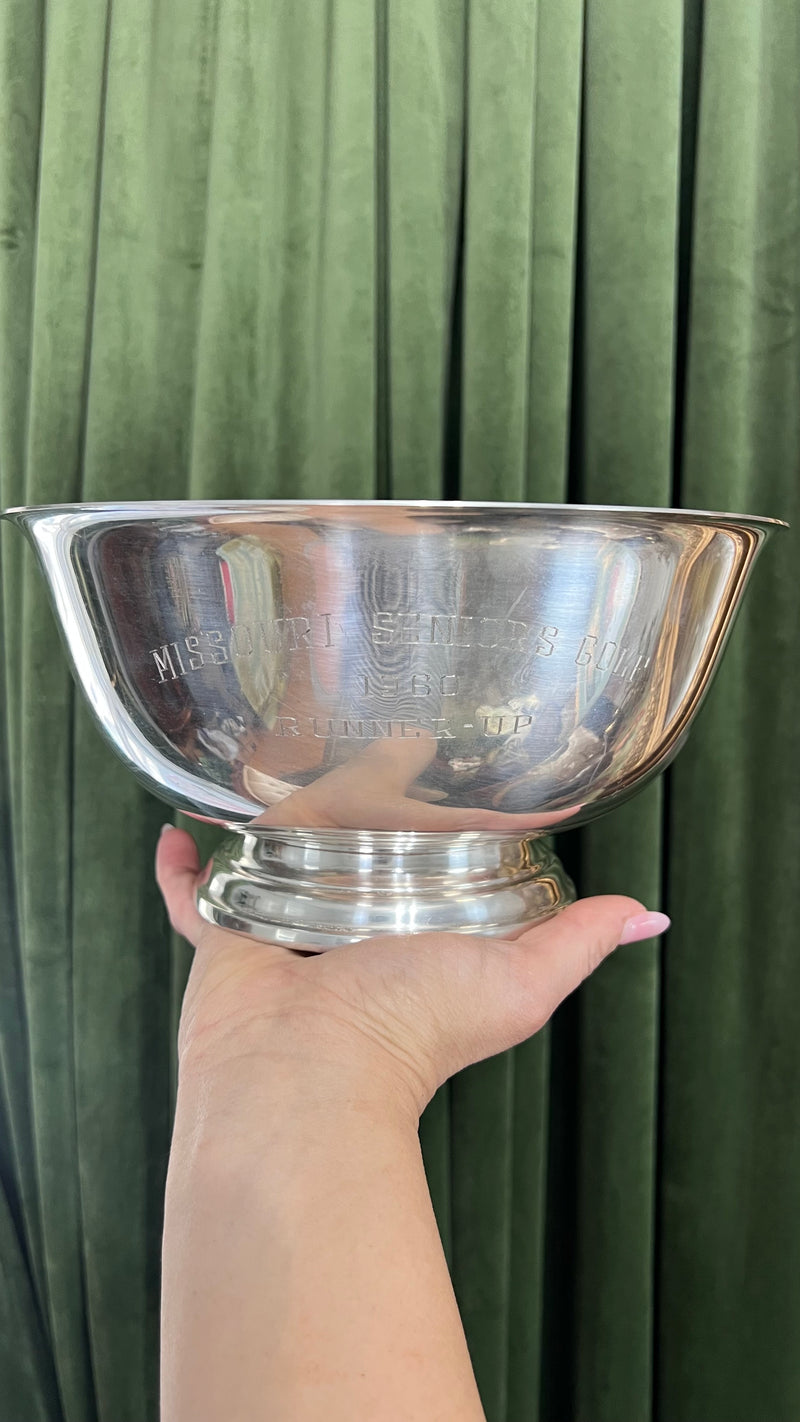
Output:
x=303 y=1275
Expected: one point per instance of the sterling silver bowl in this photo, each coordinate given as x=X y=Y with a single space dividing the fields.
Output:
x=390 y=704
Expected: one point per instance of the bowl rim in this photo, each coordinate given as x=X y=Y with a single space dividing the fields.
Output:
x=174 y=508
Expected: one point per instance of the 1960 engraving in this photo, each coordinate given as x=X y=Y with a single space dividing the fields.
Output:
x=412 y=683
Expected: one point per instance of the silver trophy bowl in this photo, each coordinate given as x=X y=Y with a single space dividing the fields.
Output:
x=391 y=705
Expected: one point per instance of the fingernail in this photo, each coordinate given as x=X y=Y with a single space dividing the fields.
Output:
x=644 y=925
x=164 y=829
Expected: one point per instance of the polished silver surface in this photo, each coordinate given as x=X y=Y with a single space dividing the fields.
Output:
x=391 y=702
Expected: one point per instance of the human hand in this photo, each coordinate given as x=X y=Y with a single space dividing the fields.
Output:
x=389 y=1018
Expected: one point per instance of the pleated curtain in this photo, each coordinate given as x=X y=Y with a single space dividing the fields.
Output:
x=486 y=249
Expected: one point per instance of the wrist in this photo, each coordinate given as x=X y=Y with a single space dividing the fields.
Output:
x=291 y=1087
x=262 y=1138
x=300 y=1060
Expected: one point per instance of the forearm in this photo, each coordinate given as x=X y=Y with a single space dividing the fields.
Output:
x=303 y=1273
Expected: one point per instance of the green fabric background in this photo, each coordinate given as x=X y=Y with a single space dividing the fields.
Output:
x=524 y=249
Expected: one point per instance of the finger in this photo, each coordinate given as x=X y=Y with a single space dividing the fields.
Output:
x=177 y=874
x=553 y=959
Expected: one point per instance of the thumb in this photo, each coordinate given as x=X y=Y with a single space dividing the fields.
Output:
x=500 y=993
x=551 y=961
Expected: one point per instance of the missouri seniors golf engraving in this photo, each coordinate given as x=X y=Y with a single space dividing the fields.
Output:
x=388 y=705
x=212 y=647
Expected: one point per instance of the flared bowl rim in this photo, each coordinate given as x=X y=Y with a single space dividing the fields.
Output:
x=193 y=508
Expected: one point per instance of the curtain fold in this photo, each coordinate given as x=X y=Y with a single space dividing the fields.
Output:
x=537 y=249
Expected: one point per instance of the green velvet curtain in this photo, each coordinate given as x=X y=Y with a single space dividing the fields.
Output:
x=497 y=249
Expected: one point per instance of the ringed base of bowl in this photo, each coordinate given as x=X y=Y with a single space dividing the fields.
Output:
x=318 y=889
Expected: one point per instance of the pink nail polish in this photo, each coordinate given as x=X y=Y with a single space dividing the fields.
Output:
x=644 y=925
